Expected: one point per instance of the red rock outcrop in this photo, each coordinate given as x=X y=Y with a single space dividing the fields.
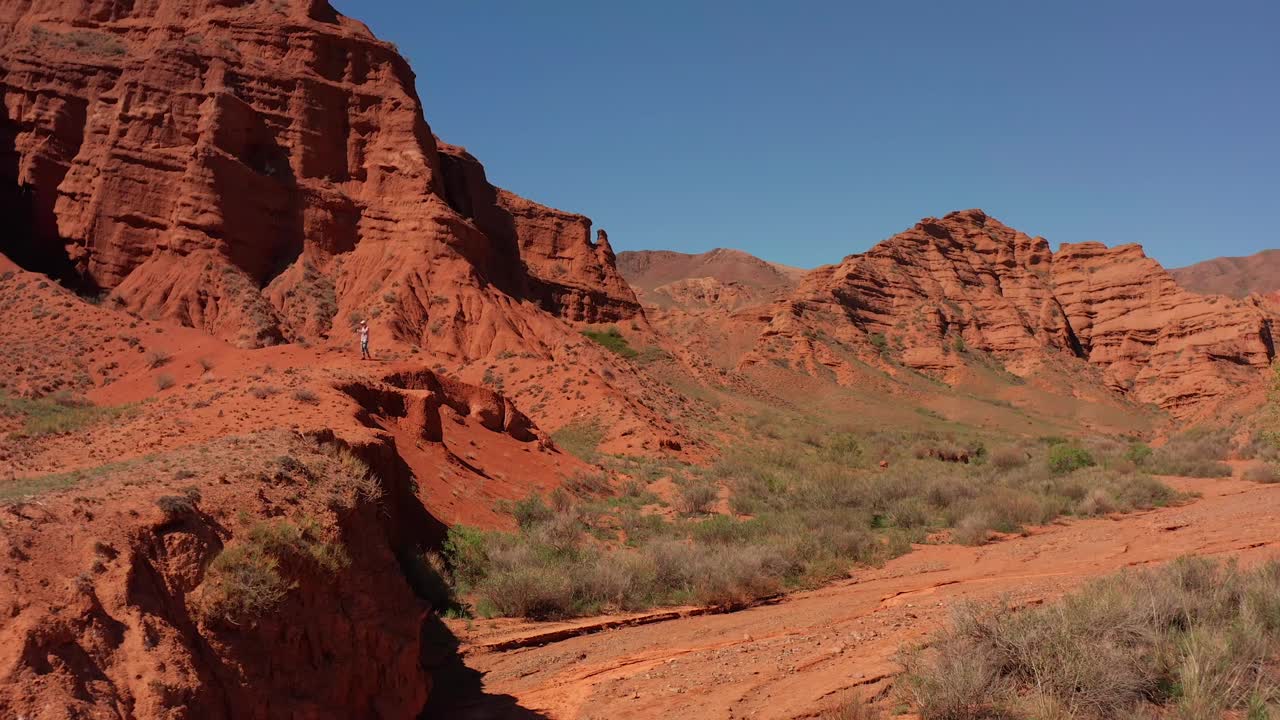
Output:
x=263 y=170
x=1169 y=346
x=929 y=297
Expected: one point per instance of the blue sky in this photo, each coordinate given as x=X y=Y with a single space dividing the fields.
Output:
x=803 y=131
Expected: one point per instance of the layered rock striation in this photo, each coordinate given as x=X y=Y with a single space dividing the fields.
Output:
x=263 y=171
x=930 y=297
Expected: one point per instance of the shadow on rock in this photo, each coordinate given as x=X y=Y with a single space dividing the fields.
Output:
x=457 y=691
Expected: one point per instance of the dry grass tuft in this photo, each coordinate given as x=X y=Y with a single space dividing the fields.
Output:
x=1197 y=637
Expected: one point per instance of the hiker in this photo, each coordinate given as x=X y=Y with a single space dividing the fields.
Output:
x=364 y=340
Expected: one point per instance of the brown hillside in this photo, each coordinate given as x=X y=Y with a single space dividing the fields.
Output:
x=648 y=269
x=1236 y=277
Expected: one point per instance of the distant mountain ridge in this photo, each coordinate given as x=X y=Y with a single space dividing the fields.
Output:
x=1233 y=276
x=649 y=269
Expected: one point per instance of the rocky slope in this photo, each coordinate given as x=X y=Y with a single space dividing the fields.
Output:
x=1236 y=277
x=932 y=297
x=263 y=171
x=229 y=533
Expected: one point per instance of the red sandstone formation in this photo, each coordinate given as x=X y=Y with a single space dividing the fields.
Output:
x=1168 y=346
x=263 y=171
x=929 y=297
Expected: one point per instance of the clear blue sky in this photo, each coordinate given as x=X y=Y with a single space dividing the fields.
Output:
x=803 y=131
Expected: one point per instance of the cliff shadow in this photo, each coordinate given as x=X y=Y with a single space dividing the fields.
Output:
x=457 y=691
x=30 y=236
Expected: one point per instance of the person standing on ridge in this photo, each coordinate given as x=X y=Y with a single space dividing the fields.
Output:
x=364 y=340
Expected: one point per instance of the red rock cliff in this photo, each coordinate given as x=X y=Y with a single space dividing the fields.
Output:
x=967 y=282
x=261 y=171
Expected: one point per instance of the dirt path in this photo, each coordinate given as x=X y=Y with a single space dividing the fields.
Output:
x=793 y=658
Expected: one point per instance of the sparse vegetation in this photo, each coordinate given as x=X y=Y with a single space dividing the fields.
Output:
x=56 y=414
x=21 y=489
x=86 y=41
x=176 y=506
x=804 y=509
x=164 y=381
x=157 y=359
x=1197 y=452
x=611 y=339
x=697 y=498
x=879 y=342
x=250 y=578
x=262 y=392
x=1196 y=638
x=304 y=395
x=580 y=439
x=1265 y=473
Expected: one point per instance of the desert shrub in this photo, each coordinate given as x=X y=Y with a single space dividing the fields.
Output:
x=1008 y=458
x=530 y=512
x=1139 y=453
x=304 y=395
x=176 y=506
x=1065 y=458
x=852 y=710
x=843 y=448
x=1197 y=452
x=248 y=579
x=587 y=482
x=346 y=480
x=1195 y=636
x=973 y=529
x=243 y=583
x=697 y=498
x=1265 y=473
x=157 y=359
x=165 y=381
x=611 y=339
x=205 y=364
x=262 y=392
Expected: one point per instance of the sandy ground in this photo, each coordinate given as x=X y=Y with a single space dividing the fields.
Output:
x=793 y=658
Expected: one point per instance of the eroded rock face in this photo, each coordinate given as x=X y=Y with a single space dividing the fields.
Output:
x=931 y=296
x=263 y=171
x=1170 y=346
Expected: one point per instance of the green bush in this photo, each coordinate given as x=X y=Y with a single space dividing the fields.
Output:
x=611 y=339
x=1064 y=458
x=1138 y=453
